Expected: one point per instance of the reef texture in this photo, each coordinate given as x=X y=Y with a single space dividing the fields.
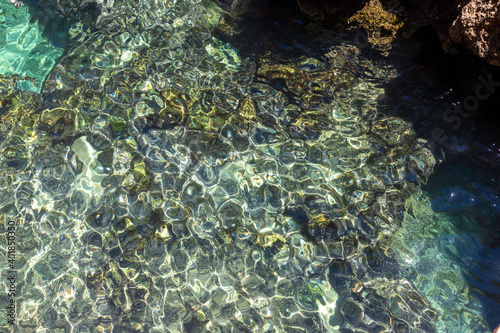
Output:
x=381 y=25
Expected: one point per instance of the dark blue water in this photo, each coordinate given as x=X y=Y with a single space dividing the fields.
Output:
x=467 y=197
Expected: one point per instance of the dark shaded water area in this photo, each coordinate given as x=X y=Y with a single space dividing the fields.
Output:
x=467 y=197
x=182 y=173
x=463 y=192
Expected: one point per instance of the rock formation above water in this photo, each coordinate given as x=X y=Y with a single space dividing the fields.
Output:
x=460 y=25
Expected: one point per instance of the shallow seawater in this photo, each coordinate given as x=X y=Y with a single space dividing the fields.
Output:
x=162 y=181
x=25 y=50
x=449 y=245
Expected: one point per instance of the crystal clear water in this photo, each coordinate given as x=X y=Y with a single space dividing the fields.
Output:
x=449 y=246
x=25 y=50
x=161 y=181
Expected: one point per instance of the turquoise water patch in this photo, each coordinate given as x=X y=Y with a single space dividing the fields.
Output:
x=24 y=50
x=448 y=247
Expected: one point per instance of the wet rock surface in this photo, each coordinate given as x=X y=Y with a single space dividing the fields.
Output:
x=460 y=25
x=476 y=29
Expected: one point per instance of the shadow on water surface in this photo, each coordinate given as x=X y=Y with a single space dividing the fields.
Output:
x=432 y=87
x=465 y=190
x=466 y=199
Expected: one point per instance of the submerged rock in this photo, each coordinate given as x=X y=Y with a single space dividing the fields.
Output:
x=382 y=26
x=182 y=187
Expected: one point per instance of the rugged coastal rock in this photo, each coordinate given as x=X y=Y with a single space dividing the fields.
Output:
x=460 y=24
x=471 y=25
x=476 y=28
